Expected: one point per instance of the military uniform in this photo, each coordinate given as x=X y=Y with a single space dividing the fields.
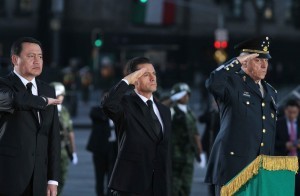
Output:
x=248 y=120
x=184 y=129
x=65 y=128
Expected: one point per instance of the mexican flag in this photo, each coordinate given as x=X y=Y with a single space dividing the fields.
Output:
x=153 y=12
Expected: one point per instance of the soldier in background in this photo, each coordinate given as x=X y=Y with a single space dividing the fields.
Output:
x=103 y=144
x=186 y=144
x=68 y=150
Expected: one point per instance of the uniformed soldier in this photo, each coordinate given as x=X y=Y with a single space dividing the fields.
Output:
x=248 y=110
x=185 y=139
x=67 y=135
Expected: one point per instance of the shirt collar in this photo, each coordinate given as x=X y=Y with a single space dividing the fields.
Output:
x=144 y=98
x=24 y=81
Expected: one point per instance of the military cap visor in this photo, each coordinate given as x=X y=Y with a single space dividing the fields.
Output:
x=259 y=45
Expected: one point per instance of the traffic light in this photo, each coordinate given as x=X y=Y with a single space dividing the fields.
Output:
x=220 y=44
x=97 y=38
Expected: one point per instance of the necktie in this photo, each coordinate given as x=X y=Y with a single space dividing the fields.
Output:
x=261 y=89
x=157 y=125
x=29 y=86
x=293 y=138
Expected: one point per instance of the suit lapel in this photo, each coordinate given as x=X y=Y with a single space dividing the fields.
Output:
x=146 y=121
x=41 y=91
x=18 y=85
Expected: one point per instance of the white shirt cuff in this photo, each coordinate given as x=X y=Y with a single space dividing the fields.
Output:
x=53 y=182
x=125 y=81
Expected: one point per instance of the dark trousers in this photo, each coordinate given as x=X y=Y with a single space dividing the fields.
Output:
x=148 y=192
x=121 y=193
x=217 y=190
x=103 y=165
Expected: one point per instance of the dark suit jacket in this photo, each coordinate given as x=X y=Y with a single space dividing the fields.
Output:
x=282 y=137
x=27 y=149
x=142 y=157
x=248 y=122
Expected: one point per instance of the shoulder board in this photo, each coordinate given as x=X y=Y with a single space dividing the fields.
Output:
x=231 y=64
x=271 y=87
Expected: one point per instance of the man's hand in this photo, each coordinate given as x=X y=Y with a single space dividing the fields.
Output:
x=51 y=190
x=243 y=59
x=52 y=101
x=133 y=77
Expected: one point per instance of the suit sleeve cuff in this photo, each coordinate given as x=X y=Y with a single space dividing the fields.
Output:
x=125 y=81
x=53 y=182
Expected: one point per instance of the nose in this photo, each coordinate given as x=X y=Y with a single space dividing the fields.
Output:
x=152 y=77
x=264 y=63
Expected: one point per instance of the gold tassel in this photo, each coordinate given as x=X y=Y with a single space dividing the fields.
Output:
x=271 y=163
x=242 y=178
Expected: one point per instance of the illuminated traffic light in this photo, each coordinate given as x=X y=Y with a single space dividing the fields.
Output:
x=143 y=1
x=97 y=38
x=220 y=44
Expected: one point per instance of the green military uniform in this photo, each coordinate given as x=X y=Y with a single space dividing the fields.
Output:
x=66 y=127
x=184 y=128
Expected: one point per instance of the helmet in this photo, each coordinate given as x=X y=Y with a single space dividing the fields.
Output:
x=180 y=87
x=59 y=88
x=179 y=90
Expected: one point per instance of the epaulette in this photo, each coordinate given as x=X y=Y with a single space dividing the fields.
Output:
x=230 y=65
x=271 y=87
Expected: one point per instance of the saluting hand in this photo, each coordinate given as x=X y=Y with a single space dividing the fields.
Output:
x=243 y=59
x=133 y=77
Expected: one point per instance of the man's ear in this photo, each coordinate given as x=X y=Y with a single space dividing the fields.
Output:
x=14 y=59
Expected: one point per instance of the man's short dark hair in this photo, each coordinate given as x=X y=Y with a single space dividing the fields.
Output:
x=292 y=103
x=132 y=64
x=16 y=47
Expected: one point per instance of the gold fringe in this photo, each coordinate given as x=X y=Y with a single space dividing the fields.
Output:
x=270 y=163
x=273 y=163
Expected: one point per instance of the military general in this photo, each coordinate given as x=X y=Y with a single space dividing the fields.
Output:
x=247 y=105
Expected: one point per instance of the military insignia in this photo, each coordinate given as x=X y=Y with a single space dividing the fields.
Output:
x=246 y=94
x=265 y=48
x=272 y=115
x=244 y=78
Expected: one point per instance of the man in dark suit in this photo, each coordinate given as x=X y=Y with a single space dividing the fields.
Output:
x=287 y=141
x=29 y=132
x=247 y=105
x=143 y=132
x=103 y=144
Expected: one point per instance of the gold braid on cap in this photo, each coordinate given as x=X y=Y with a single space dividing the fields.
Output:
x=255 y=51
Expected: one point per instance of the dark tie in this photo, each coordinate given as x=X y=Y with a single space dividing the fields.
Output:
x=29 y=86
x=157 y=125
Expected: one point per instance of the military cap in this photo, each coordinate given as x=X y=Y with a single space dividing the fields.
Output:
x=179 y=90
x=259 y=45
